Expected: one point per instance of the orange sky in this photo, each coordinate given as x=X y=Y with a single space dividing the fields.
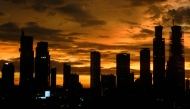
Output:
x=74 y=27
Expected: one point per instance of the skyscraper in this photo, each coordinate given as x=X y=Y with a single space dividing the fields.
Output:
x=53 y=77
x=42 y=66
x=66 y=74
x=175 y=66
x=108 y=82
x=123 y=71
x=158 y=60
x=26 y=61
x=74 y=82
x=8 y=75
x=95 y=70
x=187 y=86
x=145 y=74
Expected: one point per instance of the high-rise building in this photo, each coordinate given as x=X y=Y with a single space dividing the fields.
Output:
x=132 y=82
x=53 y=77
x=145 y=74
x=158 y=60
x=74 y=82
x=123 y=71
x=70 y=81
x=66 y=74
x=42 y=66
x=8 y=75
x=187 y=86
x=26 y=61
x=95 y=70
x=108 y=84
x=108 y=81
x=176 y=64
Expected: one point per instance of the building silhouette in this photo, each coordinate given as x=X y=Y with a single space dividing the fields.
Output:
x=8 y=76
x=74 y=82
x=158 y=61
x=42 y=66
x=108 y=82
x=132 y=82
x=26 y=61
x=123 y=71
x=95 y=70
x=145 y=74
x=187 y=85
x=66 y=73
x=53 y=78
x=175 y=73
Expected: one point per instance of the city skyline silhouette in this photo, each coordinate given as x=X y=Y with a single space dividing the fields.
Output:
x=84 y=54
x=120 y=33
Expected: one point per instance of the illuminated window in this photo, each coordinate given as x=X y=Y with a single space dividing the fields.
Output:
x=43 y=57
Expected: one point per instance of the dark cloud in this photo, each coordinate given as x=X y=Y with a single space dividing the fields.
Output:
x=144 y=2
x=147 y=31
x=144 y=33
x=74 y=34
x=2 y=14
x=17 y=1
x=10 y=27
x=78 y=14
x=103 y=47
x=37 y=5
x=82 y=50
x=128 y=22
x=11 y=32
x=50 y=13
x=42 y=33
x=78 y=51
x=58 y=46
x=102 y=36
x=186 y=28
x=39 y=8
x=48 y=2
x=155 y=11
x=181 y=15
x=45 y=2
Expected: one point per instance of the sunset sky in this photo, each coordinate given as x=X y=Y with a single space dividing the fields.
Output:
x=74 y=27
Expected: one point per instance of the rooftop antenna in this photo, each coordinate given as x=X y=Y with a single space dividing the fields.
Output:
x=22 y=32
x=159 y=23
x=173 y=19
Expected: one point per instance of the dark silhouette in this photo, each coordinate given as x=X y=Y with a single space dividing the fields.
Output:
x=53 y=78
x=42 y=66
x=158 y=61
x=169 y=89
x=26 y=61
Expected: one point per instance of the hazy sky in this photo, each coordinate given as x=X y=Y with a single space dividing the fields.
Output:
x=74 y=27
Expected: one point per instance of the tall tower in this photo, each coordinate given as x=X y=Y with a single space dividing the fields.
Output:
x=53 y=77
x=95 y=70
x=8 y=76
x=158 y=60
x=145 y=74
x=175 y=66
x=42 y=66
x=123 y=71
x=66 y=73
x=26 y=61
x=108 y=82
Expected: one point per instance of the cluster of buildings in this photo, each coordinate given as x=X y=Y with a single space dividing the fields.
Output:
x=168 y=78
